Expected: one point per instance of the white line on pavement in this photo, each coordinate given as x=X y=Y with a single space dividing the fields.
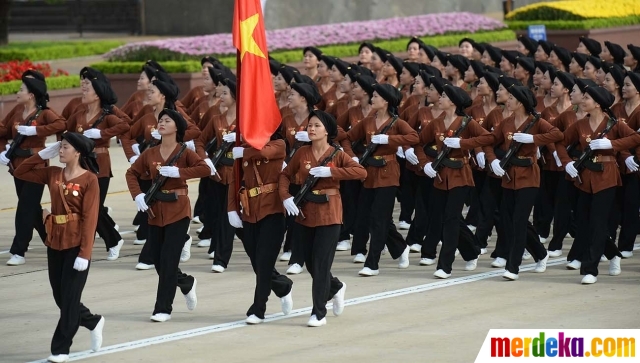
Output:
x=30 y=248
x=116 y=348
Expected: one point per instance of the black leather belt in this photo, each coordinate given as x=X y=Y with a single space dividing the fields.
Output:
x=588 y=164
x=431 y=151
x=453 y=163
x=518 y=161
x=23 y=153
x=226 y=161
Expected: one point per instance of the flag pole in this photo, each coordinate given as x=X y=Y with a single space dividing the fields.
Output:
x=237 y=165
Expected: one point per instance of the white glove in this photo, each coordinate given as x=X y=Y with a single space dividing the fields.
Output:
x=50 y=152
x=190 y=145
x=571 y=170
x=495 y=166
x=538 y=155
x=170 y=171
x=355 y=158
x=7 y=147
x=600 y=144
x=452 y=142
x=142 y=206
x=302 y=136
x=211 y=166
x=230 y=137
x=558 y=162
x=429 y=171
x=481 y=160
x=27 y=130
x=93 y=134
x=3 y=158
x=136 y=149
x=411 y=156
x=631 y=164
x=321 y=171
x=133 y=159
x=156 y=135
x=291 y=207
x=380 y=139
x=523 y=138
x=234 y=219
x=80 y=264
x=400 y=152
x=284 y=165
x=238 y=152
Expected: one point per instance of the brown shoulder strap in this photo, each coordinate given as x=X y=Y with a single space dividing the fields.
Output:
x=64 y=200
x=255 y=170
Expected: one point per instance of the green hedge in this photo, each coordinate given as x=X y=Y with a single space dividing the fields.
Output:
x=38 y=51
x=53 y=83
x=180 y=63
x=575 y=24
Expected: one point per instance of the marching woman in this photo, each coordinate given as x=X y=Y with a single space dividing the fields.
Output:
x=311 y=58
x=135 y=103
x=197 y=93
x=523 y=179
x=222 y=129
x=263 y=222
x=169 y=164
x=293 y=128
x=144 y=131
x=96 y=121
x=589 y=47
x=459 y=133
x=365 y=52
x=378 y=60
x=28 y=124
x=71 y=227
x=598 y=181
x=318 y=220
x=377 y=196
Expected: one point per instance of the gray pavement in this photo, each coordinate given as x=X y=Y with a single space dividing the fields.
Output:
x=399 y=316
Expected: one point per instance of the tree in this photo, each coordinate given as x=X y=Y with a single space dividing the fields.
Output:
x=5 y=9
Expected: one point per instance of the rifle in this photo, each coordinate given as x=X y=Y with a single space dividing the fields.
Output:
x=444 y=153
x=310 y=182
x=371 y=148
x=211 y=146
x=221 y=152
x=153 y=193
x=515 y=147
x=587 y=153
x=19 y=139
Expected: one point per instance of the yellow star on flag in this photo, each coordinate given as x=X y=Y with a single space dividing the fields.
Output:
x=247 y=43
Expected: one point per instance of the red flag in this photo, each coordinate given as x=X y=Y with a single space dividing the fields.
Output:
x=258 y=113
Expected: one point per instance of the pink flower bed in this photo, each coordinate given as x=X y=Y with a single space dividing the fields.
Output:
x=328 y=34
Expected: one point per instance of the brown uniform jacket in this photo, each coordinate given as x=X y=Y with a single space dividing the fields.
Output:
x=134 y=103
x=339 y=107
x=218 y=127
x=400 y=134
x=472 y=136
x=71 y=107
x=411 y=102
x=79 y=232
x=191 y=166
x=288 y=129
x=580 y=131
x=342 y=168
x=268 y=163
x=109 y=127
x=47 y=123
x=192 y=97
x=201 y=112
x=420 y=119
x=633 y=121
x=543 y=133
x=550 y=114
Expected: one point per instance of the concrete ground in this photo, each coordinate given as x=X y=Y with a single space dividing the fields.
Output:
x=398 y=316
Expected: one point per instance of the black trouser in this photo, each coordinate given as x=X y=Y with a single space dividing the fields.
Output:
x=166 y=246
x=198 y=208
x=380 y=202
x=262 y=243
x=28 y=215
x=223 y=230
x=502 y=247
x=142 y=217
x=452 y=201
x=564 y=211
x=545 y=201
x=434 y=221
x=211 y=213
x=593 y=240
x=290 y=242
x=407 y=192
x=350 y=191
x=489 y=196
x=319 y=251
x=105 y=228
x=515 y=211
x=418 y=229
x=361 y=228
x=630 y=206
x=67 y=285
x=474 y=214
